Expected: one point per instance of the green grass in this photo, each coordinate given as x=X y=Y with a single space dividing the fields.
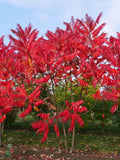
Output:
x=82 y=142
x=89 y=138
x=107 y=130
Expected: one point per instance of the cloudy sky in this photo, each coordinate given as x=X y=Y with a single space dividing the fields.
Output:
x=49 y=14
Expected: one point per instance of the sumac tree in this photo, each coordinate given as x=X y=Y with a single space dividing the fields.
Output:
x=80 y=56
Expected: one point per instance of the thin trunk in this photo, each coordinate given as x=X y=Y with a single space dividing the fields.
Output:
x=64 y=130
x=73 y=134
x=58 y=141
x=1 y=132
x=65 y=93
x=65 y=136
x=86 y=91
x=80 y=96
x=71 y=89
x=73 y=140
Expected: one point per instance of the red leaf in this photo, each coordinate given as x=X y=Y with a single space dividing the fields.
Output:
x=97 y=95
x=67 y=104
x=34 y=92
x=2 y=118
x=79 y=120
x=103 y=115
x=82 y=109
x=37 y=125
x=44 y=138
x=42 y=80
x=72 y=124
x=50 y=121
x=26 y=111
x=114 y=108
x=22 y=90
x=97 y=31
x=56 y=130
x=65 y=114
x=38 y=103
x=113 y=95
x=42 y=128
x=82 y=83
x=44 y=116
x=46 y=130
x=77 y=103
x=6 y=109
x=97 y=20
x=33 y=97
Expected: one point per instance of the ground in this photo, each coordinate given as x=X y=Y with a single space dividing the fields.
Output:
x=90 y=144
x=23 y=152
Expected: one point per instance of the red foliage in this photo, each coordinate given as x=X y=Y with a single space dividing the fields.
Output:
x=38 y=103
x=112 y=95
x=41 y=126
x=71 y=113
x=97 y=31
x=21 y=90
x=82 y=109
x=2 y=118
x=114 y=108
x=42 y=80
x=50 y=121
x=56 y=130
x=103 y=115
x=79 y=120
x=97 y=95
x=34 y=95
x=65 y=115
x=82 y=83
x=77 y=107
x=6 y=109
x=80 y=54
x=37 y=125
x=34 y=92
x=26 y=111
x=72 y=123
x=44 y=116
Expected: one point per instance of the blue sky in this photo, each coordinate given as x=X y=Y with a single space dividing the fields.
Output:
x=49 y=14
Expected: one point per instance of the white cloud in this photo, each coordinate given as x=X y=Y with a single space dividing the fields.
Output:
x=112 y=18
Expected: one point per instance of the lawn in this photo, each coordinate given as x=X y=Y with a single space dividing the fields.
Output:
x=90 y=142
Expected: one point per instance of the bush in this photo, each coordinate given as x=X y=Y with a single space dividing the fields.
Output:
x=10 y=119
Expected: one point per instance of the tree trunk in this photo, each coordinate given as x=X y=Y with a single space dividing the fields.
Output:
x=65 y=136
x=73 y=134
x=73 y=140
x=54 y=97
x=1 y=132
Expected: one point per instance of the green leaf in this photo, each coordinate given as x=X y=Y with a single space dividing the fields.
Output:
x=8 y=153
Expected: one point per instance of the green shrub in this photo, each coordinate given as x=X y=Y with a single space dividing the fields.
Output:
x=10 y=118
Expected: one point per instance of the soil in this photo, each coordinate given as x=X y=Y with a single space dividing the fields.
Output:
x=23 y=152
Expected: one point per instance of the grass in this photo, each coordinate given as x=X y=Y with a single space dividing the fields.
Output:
x=107 y=130
x=90 y=138
x=82 y=142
